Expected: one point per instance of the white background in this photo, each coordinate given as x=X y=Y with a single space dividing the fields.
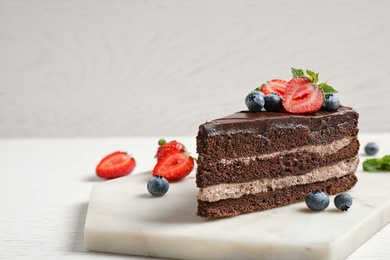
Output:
x=94 y=68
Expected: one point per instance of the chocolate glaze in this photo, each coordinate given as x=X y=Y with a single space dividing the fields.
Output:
x=261 y=121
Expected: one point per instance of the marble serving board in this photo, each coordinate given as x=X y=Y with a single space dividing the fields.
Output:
x=124 y=218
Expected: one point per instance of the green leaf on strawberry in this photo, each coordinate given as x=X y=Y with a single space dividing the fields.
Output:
x=297 y=73
x=312 y=76
x=326 y=88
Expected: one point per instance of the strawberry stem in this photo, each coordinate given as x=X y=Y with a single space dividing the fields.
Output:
x=161 y=142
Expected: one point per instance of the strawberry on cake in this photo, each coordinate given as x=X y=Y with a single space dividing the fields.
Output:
x=294 y=138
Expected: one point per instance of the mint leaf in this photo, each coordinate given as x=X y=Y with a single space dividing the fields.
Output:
x=297 y=73
x=377 y=164
x=326 y=88
x=312 y=76
x=372 y=165
x=386 y=163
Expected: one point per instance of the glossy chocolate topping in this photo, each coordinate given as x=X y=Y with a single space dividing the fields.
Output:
x=260 y=121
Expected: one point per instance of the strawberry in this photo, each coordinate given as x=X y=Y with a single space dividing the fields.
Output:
x=276 y=86
x=115 y=165
x=302 y=97
x=304 y=94
x=174 y=165
x=170 y=146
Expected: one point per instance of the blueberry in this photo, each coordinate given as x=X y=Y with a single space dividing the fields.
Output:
x=371 y=148
x=273 y=102
x=158 y=186
x=317 y=200
x=255 y=101
x=343 y=201
x=331 y=103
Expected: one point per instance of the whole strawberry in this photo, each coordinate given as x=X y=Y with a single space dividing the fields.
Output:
x=165 y=147
x=115 y=165
x=303 y=94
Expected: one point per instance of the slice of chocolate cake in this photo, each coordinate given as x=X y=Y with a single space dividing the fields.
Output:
x=253 y=161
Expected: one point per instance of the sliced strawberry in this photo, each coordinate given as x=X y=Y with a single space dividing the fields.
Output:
x=302 y=96
x=174 y=165
x=276 y=86
x=115 y=165
x=167 y=147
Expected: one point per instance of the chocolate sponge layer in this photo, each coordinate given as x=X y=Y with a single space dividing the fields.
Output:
x=294 y=163
x=273 y=199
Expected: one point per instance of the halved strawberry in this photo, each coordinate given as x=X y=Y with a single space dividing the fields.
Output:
x=174 y=165
x=302 y=96
x=170 y=146
x=115 y=165
x=276 y=86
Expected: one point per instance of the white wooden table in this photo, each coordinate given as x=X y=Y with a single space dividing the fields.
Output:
x=45 y=187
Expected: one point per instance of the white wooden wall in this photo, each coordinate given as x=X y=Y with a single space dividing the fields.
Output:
x=131 y=67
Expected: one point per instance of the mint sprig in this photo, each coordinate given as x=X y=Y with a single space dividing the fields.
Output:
x=314 y=77
x=377 y=164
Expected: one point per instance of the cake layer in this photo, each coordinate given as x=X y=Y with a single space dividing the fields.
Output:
x=272 y=199
x=237 y=190
x=246 y=134
x=256 y=161
x=282 y=163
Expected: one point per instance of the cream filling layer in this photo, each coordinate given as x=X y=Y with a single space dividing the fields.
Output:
x=325 y=149
x=236 y=190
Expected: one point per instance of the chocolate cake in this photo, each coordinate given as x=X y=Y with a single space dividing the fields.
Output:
x=253 y=161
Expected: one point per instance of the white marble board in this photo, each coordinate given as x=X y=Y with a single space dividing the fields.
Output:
x=124 y=218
